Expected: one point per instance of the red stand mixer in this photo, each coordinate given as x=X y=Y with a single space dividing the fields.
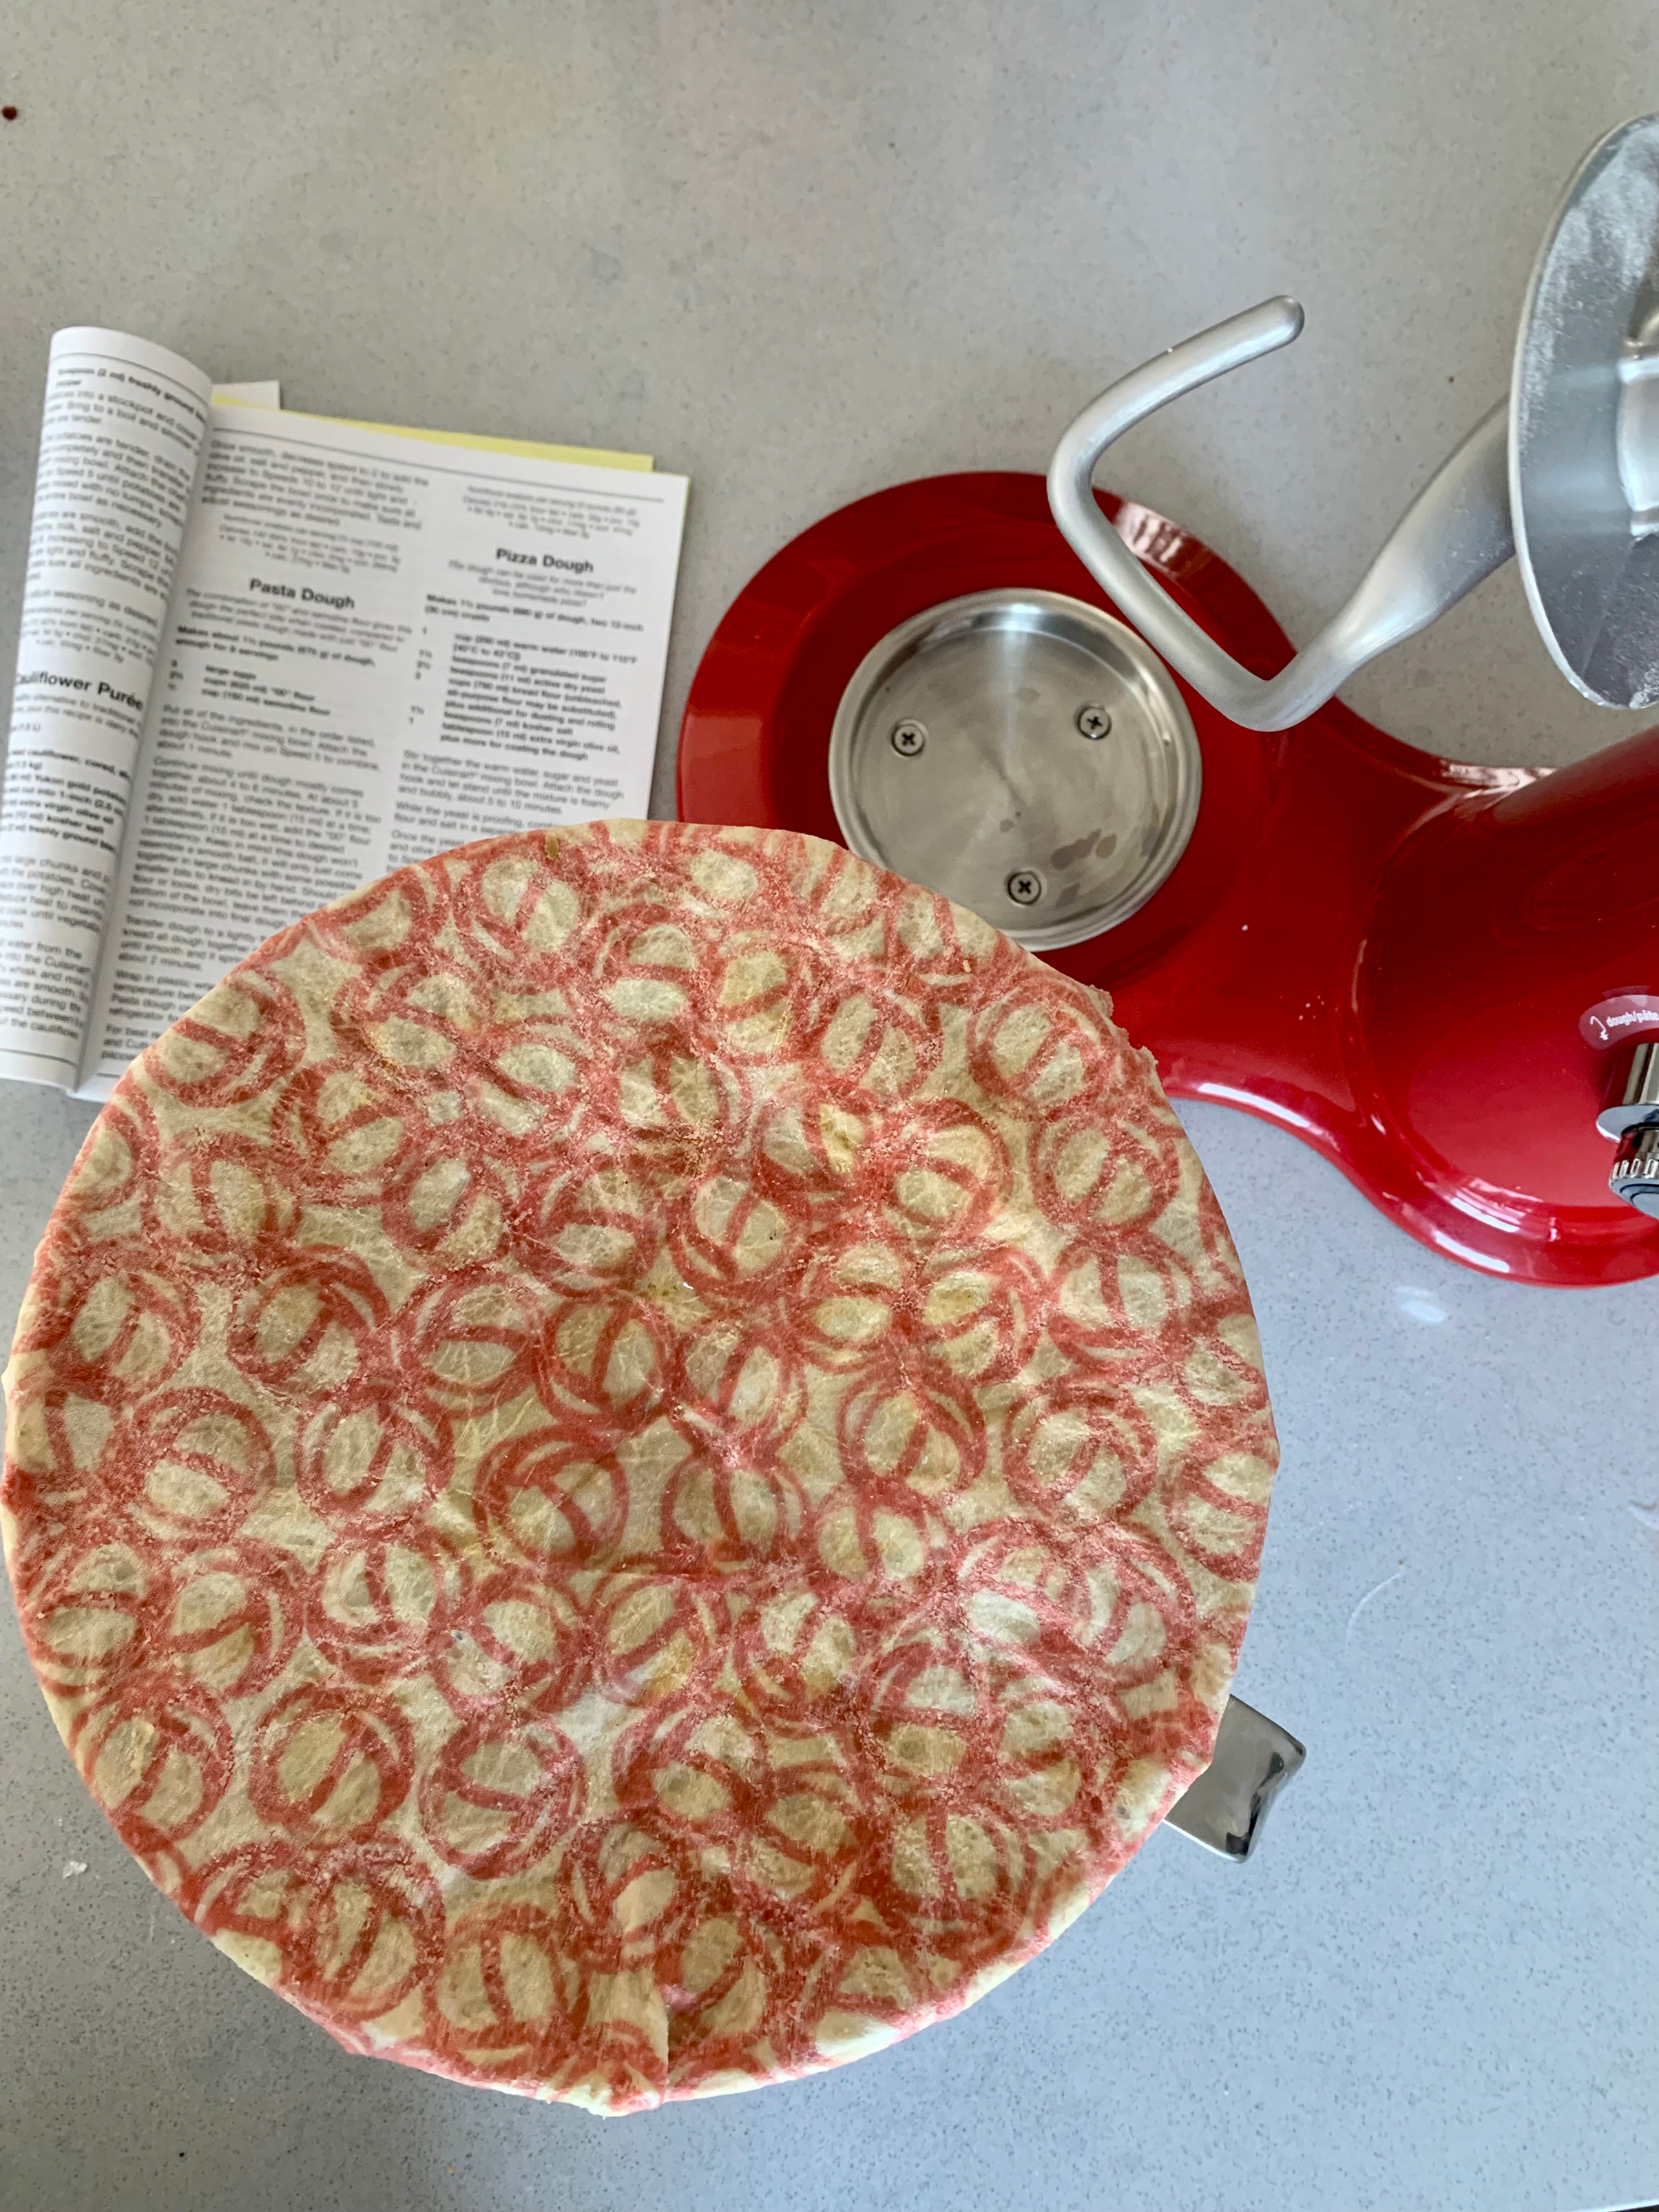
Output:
x=1067 y=713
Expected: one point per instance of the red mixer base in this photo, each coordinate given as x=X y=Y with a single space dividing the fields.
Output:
x=1385 y=952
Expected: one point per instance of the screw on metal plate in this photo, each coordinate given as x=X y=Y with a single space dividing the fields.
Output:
x=908 y=738
x=1094 y=721
x=1025 y=887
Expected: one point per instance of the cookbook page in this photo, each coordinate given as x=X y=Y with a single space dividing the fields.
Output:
x=379 y=649
x=121 y=440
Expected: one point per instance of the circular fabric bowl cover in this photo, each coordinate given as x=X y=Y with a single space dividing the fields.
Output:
x=635 y=1460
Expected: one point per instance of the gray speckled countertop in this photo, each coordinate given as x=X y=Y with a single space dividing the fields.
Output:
x=800 y=255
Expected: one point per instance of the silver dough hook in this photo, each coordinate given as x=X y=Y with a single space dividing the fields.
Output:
x=1450 y=538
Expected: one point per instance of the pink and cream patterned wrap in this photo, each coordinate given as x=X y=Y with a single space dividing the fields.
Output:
x=636 y=1461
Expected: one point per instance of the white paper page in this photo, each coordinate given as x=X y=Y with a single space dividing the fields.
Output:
x=379 y=649
x=123 y=430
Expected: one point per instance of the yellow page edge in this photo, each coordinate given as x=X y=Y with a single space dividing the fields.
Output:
x=589 y=457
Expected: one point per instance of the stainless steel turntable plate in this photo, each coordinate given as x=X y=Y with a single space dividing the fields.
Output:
x=1025 y=754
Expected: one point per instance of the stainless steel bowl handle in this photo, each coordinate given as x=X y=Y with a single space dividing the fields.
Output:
x=1253 y=1759
x=1454 y=534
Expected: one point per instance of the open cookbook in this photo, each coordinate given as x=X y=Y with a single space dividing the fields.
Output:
x=265 y=657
